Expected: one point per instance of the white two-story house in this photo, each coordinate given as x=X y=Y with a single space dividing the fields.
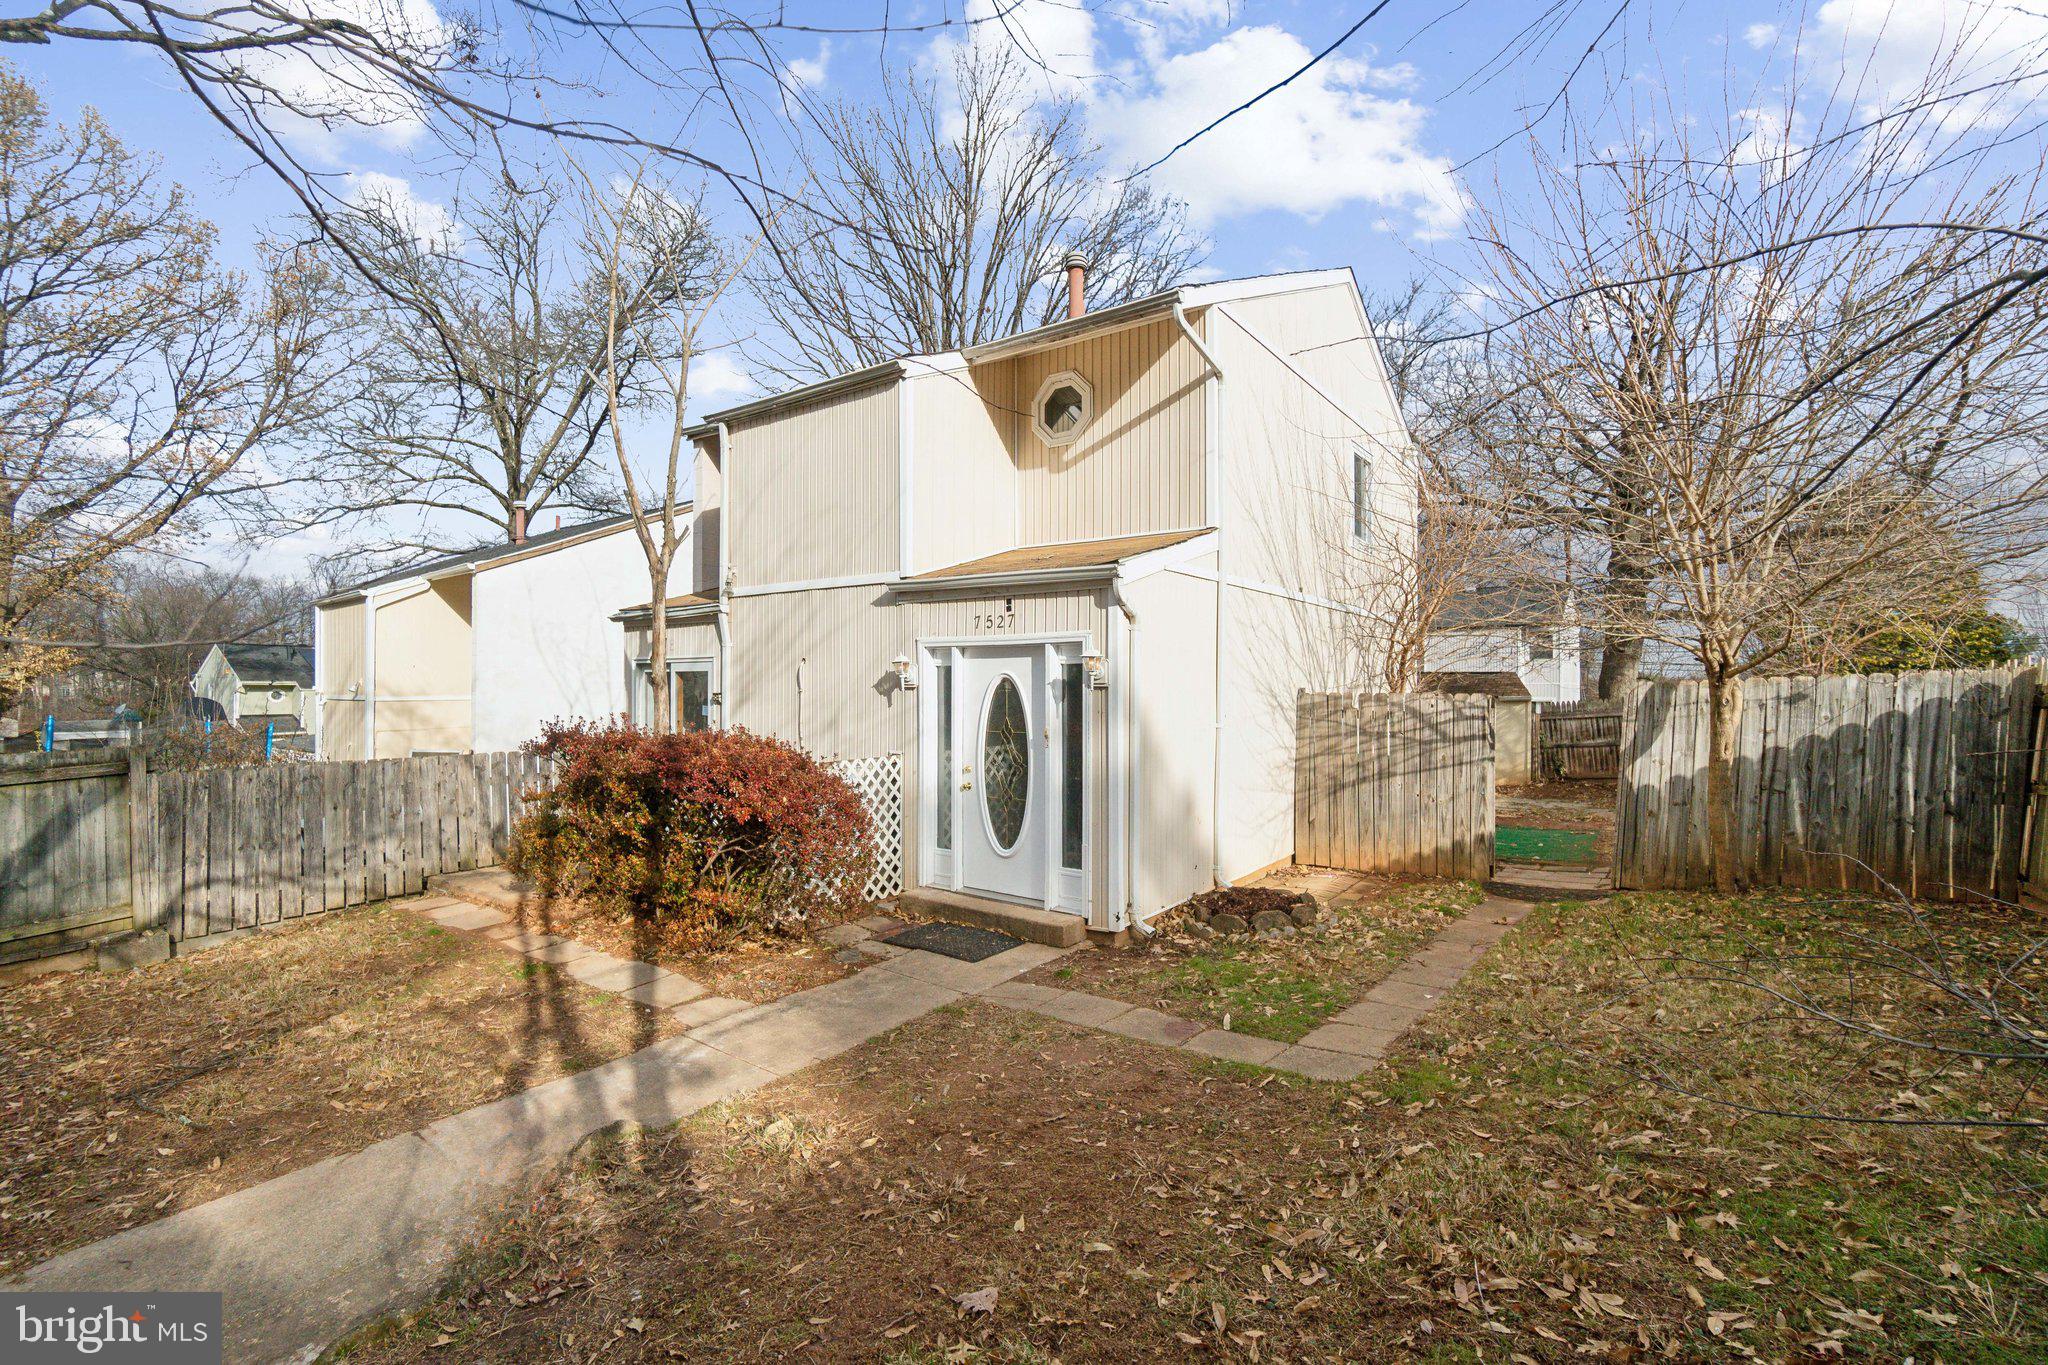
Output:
x=1074 y=577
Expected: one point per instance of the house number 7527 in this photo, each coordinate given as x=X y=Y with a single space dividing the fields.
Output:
x=995 y=620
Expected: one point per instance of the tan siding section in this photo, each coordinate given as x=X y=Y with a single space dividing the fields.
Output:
x=844 y=640
x=341 y=681
x=423 y=671
x=813 y=491
x=1139 y=464
x=963 y=477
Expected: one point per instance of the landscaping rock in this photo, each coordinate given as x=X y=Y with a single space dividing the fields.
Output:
x=1199 y=930
x=1267 y=920
x=1228 y=924
x=849 y=955
x=1304 y=916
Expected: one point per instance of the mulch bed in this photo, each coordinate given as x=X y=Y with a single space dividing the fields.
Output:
x=128 y=1096
x=1242 y=901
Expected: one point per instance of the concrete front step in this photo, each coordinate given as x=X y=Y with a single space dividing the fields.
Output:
x=1050 y=927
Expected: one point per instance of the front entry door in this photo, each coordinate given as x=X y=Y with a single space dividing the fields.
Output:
x=1004 y=773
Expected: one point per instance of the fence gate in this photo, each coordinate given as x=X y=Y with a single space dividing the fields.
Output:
x=1578 y=738
x=1394 y=783
x=64 y=838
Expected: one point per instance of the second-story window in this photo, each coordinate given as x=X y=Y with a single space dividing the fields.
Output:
x=1064 y=406
x=1361 y=496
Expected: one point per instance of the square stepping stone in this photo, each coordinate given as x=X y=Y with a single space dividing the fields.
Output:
x=844 y=935
x=1373 y=1014
x=464 y=916
x=1235 y=1047
x=1020 y=994
x=565 y=951
x=526 y=940
x=604 y=972
x=1405 y=993
x=875 y=948
x=707 y=1009
x=1319 y=1065
x=1356 y=1039
x=665 y=991
x=882 y=924
x=1152 y=1026
x=1076 y=1007
x=1428 y=975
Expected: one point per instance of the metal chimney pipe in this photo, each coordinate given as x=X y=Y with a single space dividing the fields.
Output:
x=1077 y=283
x=518 y=523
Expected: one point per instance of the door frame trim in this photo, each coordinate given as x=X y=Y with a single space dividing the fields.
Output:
x=1065 y=890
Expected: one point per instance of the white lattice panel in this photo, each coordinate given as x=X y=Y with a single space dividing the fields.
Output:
x=879 y=780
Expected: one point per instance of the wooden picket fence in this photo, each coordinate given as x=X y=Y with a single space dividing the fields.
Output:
x=238 y=848
x=1394 y=783
x=1580 y=739
x=1920 y=779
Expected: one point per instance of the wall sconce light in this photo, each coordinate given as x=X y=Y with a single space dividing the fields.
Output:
x=906 y=674
x=1097 y=669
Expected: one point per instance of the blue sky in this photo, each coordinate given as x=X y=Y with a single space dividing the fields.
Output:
x=1371 y=160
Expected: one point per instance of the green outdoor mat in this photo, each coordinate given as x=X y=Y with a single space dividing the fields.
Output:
x=1543 y=845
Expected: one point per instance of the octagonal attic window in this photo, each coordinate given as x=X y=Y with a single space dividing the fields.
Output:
x=1065 y=403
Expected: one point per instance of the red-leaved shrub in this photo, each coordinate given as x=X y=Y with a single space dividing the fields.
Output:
x=707 y=831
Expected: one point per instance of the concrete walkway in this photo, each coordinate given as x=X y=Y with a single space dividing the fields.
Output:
x=1344 y=1048
x=307 y=1257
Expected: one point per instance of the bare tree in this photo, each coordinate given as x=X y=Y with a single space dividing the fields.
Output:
x=481 y=393
x=1771 y=420
x=938 y=218
x=137 y=377
x=660 y=244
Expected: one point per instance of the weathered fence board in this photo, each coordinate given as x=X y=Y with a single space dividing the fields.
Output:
x=1920 y=781
x=1394 y=783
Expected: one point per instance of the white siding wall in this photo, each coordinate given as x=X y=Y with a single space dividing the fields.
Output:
x=1287 y=456
x=1176 y=736
x=1272 y=649
x=1503 y=651
x=545 y=648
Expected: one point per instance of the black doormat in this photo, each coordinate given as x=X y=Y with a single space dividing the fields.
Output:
x=954 y=940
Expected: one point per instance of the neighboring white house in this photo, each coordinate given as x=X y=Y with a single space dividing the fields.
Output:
x=475 y=651
x=1500 y=628
x=1074 y=577
x=259 y=684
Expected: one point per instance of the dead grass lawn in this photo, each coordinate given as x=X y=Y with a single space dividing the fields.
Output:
x=127 y=1096
x=993 y=1185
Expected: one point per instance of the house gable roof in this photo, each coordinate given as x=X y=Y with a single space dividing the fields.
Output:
x=1126 y=314
x=270 y=663
x=486 y=556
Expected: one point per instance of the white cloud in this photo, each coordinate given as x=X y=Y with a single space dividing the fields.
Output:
x=1890 y=50
x=1760 y=36
x=715 y=376
x=391 y=197
x=332 y=95
x=1055 y=39
x=1329 y=139
x=809 y=72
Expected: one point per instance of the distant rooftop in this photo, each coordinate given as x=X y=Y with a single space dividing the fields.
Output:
x=271 y=663
x=485 y=555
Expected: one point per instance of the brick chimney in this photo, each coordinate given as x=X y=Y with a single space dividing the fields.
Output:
x=518 y=523
x=1077 y=283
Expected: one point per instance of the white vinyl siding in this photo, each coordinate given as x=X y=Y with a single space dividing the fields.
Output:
x=813 y=491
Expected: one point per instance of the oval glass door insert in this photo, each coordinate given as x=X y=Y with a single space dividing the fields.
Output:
x=1005 y=764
